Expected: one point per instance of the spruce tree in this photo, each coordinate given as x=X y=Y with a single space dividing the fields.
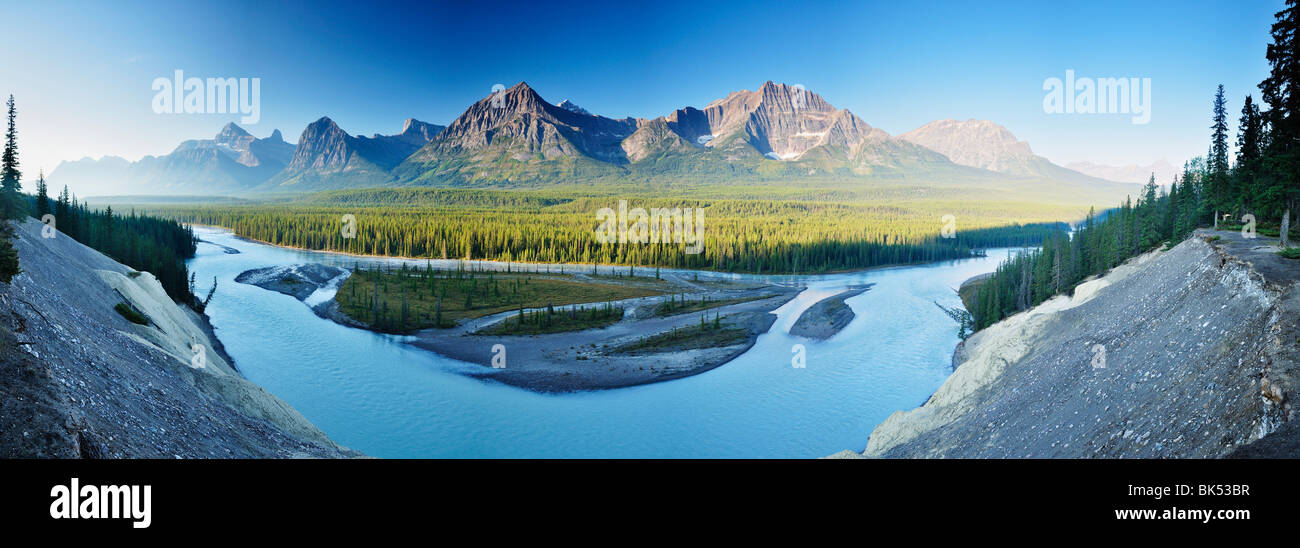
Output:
x=8 y=254
x=42 y=196
x=10 y=176
x=1250 y=142
x=1218 y=194
x=1281 y=190
x=61 y=205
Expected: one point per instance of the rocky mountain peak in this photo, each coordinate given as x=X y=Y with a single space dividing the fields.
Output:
x=571 y=107
x=231 y=130
x=517 y=98
x=796 y=97
x=416 y=127
x=322 y=125
x=234 y=137
x=323 y=145
x=416 y=133
x=783 y=121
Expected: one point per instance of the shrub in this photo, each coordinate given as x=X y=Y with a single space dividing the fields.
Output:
x=128 y=312
x=8 y=254
x=1290 y=253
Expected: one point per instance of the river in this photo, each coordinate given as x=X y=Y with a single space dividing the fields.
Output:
x=379 y=395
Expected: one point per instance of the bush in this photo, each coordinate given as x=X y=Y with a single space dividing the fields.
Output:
x=1290 y=253
x=8 y=255
x=128 y=312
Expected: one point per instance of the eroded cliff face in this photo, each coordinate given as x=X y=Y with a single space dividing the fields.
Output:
x=77 y=379
x=1191 y=352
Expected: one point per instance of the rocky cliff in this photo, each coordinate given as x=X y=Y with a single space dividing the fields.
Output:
x=77 y=379
x=1190 y=352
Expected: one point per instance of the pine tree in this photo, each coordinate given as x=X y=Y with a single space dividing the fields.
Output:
x=42 y=196
x=1250 y=142
x=8 y=254
x=1170 y=224
x=1281 y=190
x=65 y=211
x=10 y=176
x=1218 y=195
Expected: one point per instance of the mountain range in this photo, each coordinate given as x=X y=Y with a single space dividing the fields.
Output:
x=514 y=138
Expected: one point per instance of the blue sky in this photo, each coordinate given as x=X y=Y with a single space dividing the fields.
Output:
x=81 y=72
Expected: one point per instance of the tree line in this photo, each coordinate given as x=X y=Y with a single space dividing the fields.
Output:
x=739 y=236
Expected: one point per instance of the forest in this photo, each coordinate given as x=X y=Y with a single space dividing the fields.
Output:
x=752 y=236
x=1255 y=189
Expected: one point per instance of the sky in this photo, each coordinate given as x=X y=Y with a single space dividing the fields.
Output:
x=81 y=72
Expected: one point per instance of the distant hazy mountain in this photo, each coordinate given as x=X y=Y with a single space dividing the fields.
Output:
x=90 y=177
x=327 y=156
x=251 y=151
x=235 y=162
x=976 y=143
x=1132 y=173
x=232 y=161
x=986 y=145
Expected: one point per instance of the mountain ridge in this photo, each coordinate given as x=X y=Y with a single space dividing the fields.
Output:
x=514 y=137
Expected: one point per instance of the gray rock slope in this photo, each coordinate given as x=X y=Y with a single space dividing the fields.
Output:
x=79 y=380
x=1191 y=352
